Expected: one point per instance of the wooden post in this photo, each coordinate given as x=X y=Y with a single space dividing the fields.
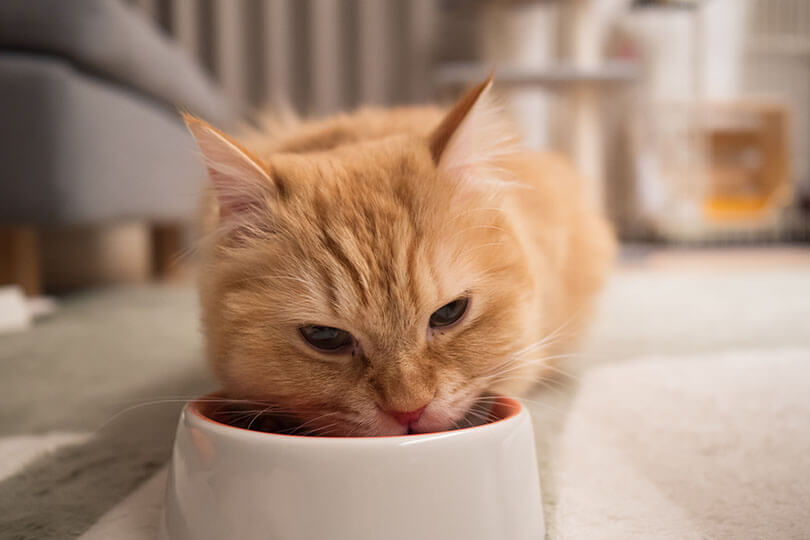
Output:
x=165 y=249
x=19 y=259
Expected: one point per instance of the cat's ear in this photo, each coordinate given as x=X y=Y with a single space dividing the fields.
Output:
x=239 y=180
x=472 y=135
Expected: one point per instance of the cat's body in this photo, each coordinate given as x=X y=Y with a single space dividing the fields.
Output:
x=387 y=224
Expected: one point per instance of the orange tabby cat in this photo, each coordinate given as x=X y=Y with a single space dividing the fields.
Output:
x=375 y=273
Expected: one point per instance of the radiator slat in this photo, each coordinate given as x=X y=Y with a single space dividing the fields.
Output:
x=278 y=58
x=374 y=50
x=186 y=25
x=326 y=70
x=229 y=57
x=423 y=19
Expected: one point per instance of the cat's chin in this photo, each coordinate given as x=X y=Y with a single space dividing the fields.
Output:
x=403 y=430
x=431 y=422
x=386 y=430
x=386 y=427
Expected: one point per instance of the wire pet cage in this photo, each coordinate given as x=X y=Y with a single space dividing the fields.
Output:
x=720 y=142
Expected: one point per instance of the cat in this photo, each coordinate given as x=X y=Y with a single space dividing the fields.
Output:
x=375 y=273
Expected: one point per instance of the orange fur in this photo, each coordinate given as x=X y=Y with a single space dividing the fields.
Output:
x=369 y=222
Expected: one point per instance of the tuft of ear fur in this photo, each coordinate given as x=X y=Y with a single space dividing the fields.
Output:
x=239 y=180
x=473 y=137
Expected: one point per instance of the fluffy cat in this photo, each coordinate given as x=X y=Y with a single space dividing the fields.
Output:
x=375 y=273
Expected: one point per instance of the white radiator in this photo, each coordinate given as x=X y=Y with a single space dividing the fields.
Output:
x=778 y=64
x=317 y=55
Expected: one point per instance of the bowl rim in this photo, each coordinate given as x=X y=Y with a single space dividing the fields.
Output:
x=513 y=407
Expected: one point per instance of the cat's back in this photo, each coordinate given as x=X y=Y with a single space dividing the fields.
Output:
x=572 y=244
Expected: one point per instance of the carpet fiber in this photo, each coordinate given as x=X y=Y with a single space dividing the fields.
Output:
x=711 y=446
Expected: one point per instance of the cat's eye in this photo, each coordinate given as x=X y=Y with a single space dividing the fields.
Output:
x=326 y=338
x=450 y=313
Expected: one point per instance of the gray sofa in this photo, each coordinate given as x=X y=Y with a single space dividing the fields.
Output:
x=89 y=129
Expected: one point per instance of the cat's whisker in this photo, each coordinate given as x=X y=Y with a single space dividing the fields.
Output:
x=183 y=398
x=535 y=381
x=363 y=423
x=278 y=410
x=485 y=209
x=474 y=419
x=515 y=364
x=475 y=227
x=547 y=340
x=316 y=419
x=558 y=371
x=153 y=402
x=535 y=403
x=357 y=426
x=550 y=338
x=477 y=414
x=551 y=373
x=449 y=417
x=480 y=246
x=546 y=361
x=466 y=419
x=321 y=430
x=251 y=411
x=532 y=378
x=201 y=241
x=237 y=418
x=258 y=415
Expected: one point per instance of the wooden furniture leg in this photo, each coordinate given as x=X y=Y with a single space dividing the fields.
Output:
x=166 y=241
x=19 y=259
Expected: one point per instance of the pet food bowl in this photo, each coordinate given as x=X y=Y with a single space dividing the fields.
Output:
x=477 y=483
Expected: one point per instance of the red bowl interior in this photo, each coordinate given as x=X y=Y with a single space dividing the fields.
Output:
x=207 y=407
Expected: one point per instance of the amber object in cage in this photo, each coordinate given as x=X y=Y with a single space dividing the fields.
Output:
x=748 y=160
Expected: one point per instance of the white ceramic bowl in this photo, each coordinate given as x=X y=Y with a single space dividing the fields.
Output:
x=476 y=483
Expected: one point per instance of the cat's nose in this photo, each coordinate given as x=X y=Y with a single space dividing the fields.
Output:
x=408 y=418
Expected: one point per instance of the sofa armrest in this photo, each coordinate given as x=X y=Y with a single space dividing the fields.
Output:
x=111 y=40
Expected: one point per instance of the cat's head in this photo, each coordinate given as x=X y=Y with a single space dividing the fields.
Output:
x=371 y=289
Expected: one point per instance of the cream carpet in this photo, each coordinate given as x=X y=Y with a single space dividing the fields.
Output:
x=710 y=446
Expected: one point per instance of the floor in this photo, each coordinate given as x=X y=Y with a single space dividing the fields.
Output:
x=677 y=306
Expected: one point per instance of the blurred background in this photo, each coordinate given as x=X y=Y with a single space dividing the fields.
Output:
x=690 y=118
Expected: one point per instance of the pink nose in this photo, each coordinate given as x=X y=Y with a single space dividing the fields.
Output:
x=408 y=418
